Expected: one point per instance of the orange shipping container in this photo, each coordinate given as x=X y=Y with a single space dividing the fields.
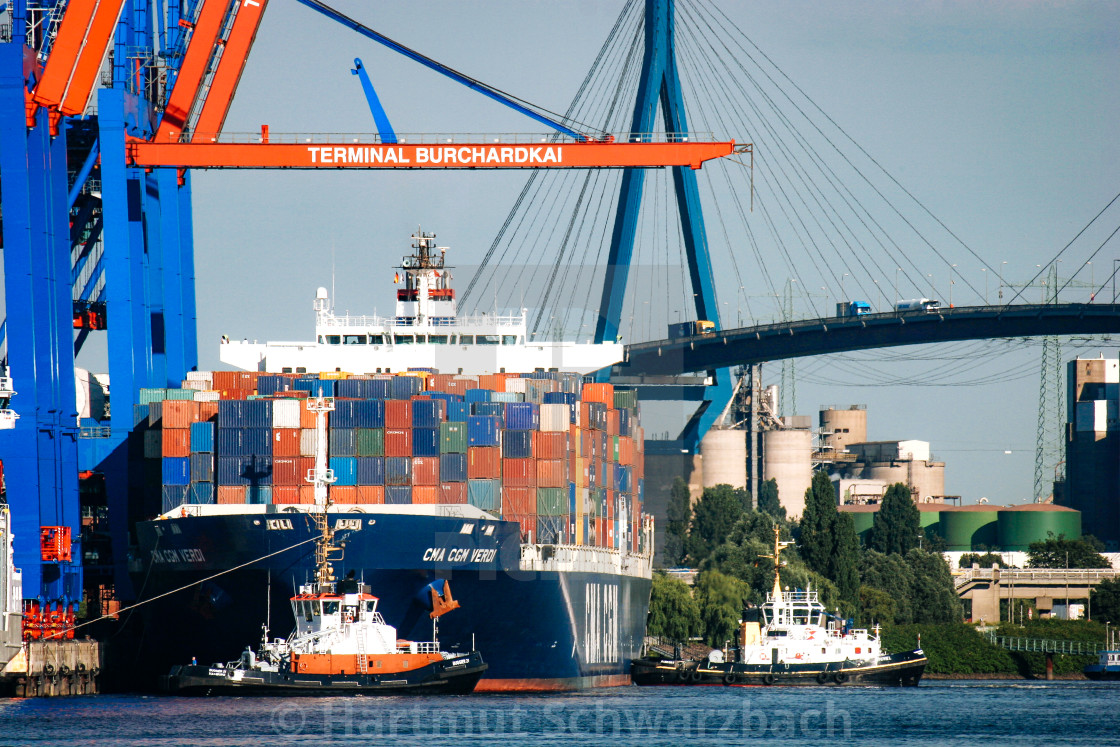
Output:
x=290 y=470
x=453 y=493
x=439 y=382
x=552 y=473
x=550 y=445
x=518 y=502
x=519 y=473
x=494 y=382
x=231 y=494
x=398 y=413
x=484 y=462
x=371 y=494
x=176 y=442
x=307 y=494
x=225 y=380
x=344 y=494
x=398 y=441
x=625 y=451
x=425 y=494
x=528 y=525
x=425 y=471
x=285 y=494
x=612 y=422
x=207 y=411
x=599 y=393
x=179 y=413
x=285 y=442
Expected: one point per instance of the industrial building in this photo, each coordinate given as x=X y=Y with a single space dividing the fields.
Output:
x=1092 y=484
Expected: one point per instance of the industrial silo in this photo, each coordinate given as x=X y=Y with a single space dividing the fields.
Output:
x=724 y=460
x=787 y=458
x=843 y=426
x=1019 y=526
x=965 y=528
x=928 y=478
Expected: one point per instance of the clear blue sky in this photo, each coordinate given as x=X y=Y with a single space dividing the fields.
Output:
x=1000 y=117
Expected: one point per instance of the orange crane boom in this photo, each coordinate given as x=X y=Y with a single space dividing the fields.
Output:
x=356 y=155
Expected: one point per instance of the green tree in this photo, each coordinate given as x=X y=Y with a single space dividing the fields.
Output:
x=843 y=563
x=1105 y=601
x=875 y=606
x=721 y=600
x=673 y=613
x=1060 y=552
x=816 y=541
x=931 y=592
x=897 y=524
x=984 y=561
x=678 y=515
x=892 y=575
x=768 y=499
x=713 y=516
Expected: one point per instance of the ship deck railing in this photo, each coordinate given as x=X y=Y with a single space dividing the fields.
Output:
x=419 y=647
x=367 y=321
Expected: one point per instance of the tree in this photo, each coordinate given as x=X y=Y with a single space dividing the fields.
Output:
x=984 y=561
x=678 y=516
x=713 y=516
x=1104 y=601
x=721 y=600
x=673 y=613
x=1060 y=552
x=816 y=541
x=931 y=592
x=768 y=499
x=875 y=606
x=843 y=563
x=892 y=575
x=897 y=524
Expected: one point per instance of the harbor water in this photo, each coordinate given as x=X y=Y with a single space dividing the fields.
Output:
x=943 y=712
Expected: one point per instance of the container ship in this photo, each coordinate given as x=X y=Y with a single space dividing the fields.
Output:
x=523 y=491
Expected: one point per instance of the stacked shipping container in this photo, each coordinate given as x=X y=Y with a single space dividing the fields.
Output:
x=562 y=458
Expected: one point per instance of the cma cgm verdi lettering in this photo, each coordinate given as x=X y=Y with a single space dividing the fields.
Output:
x=522 y=491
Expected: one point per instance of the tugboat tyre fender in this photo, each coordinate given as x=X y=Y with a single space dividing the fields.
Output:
x=64 y=670
x=840 y=678
x=768 y=679
x=682 y=675
x=822 y=677
x=81 y=667
x=696 y=676
x=48 y=669
x=730 y=678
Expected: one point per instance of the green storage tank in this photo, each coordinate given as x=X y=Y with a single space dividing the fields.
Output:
x=930 y=516
x=1019 y=526
x=864 y=521
x=967 y=527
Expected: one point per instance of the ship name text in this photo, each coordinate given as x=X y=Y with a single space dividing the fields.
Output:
x=184 y=555
x=459 y=555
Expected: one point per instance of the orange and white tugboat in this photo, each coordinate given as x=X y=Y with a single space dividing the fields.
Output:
x=341 y=643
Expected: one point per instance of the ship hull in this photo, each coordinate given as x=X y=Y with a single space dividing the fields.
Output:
x=561 y=627
x=898 y=670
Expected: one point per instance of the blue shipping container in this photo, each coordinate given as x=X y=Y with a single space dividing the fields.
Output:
x=403 y=387
x=425 y=441
x=517 y=444
x=458 y=412
x=202 y=467
x=559 y=398
x=484 y=494
x=453 y=468
x=259 y=494
x=244 y=470
x=398 y=471
x=176 y=470
x=398 y=494
x=371 y=470
x=200 y=492
x=258 y=413
x=376 y=389
x=257 y=441
x=173 y=496
x=351 y=388
x=522 y=416
x=345 y=470
x=343 y=442
x=343 y=415
x=483 y=430
x=232 y=413
x=202 y=437
x=231 y=442
x=427 y=413
x=489 y=409
x=370 y=413
x=478 y=395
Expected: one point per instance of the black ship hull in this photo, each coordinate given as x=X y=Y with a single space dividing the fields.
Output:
x=897 y=670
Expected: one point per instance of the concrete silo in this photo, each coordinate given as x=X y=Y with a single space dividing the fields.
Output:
x=843 y=426
x=724 y=461
x=787 y=458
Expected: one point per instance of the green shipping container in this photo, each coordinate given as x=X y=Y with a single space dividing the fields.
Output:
x=552 y=501
x=452 y=438
x=614 y=449
x=625 y=399
x=371 y=442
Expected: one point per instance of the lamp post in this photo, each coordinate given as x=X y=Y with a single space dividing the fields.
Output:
x=985 y=271
x=879 y=288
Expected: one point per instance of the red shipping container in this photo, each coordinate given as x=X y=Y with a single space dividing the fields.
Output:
x=612 y=422
x=289 y=470
x=225 y=380
x=585 y=440
x=306 y=494
x=285 y=442
x=425 y=471
x=398 y=414
x=453 y=493
x=231 y=494
x=398 y=441
x=285 y=494
x=467 y=382
x=528 y=526
x=484 y=462
x=519 y=473
x=208 y=411
x=439 y=382
x=179 y=413
x=176 y=442
x=612 y=504
x=518 y=502
x=425 y=494
x=552 y=473
x=625 y=451
x=369 y=495
x=598 y=393
x=550 y=445
x=344 y=494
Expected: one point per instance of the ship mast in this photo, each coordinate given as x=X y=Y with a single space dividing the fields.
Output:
x=322 y=477
x=777 y=590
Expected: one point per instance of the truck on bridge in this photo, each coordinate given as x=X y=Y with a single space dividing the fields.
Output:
x=688 y=329
x=853 y=308
x=927 y=305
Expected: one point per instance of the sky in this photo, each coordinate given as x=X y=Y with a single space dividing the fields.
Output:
x=999 y=117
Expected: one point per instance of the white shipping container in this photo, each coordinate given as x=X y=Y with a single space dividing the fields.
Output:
x=207 y=376
x=555 y=417
x=285 y=413
x=308 y=442
x=153 y=444
x=197 y=386
x=209 y=395
x=515 y=385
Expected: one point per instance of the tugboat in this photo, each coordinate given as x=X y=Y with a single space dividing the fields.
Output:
x=1107 y=668
x=791 y=641
x=341 y=643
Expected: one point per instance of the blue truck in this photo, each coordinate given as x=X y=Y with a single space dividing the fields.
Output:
x=853 y=308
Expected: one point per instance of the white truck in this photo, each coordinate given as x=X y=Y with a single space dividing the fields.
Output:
x=927 y=305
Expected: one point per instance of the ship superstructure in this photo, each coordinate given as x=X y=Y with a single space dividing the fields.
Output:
x=426 y=330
